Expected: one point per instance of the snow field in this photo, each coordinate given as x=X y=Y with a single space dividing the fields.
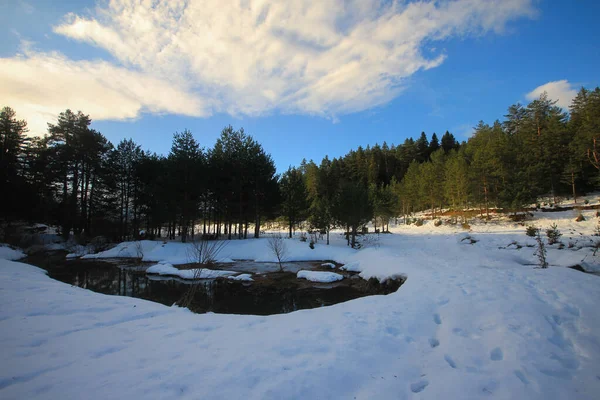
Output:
x=471 y=321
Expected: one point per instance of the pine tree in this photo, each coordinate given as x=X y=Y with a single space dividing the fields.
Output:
x=13 y=145
x=295 y=202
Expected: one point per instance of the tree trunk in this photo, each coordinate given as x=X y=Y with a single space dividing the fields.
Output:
x=573 y=185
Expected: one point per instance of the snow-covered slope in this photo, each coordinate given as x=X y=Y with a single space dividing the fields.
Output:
x=8 y=253
x=471 y=321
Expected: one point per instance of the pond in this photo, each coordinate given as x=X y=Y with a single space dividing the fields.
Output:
x=271 y=292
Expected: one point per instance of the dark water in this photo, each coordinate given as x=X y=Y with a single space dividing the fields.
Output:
x=272 y=293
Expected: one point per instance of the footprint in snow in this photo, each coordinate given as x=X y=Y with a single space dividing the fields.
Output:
x=433 y=342
x=437 y=319
x=419 y=386
x=496 y=354
x=450 y=361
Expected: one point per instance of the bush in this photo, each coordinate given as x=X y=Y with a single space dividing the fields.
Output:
x=437 y=222
x=586 y=201
x=419 y=222
x=466 y=226
x=311 y=245
x=531 y=231
x=580 y=218
x=540 y=251
x=553 y=234
x=303 y=237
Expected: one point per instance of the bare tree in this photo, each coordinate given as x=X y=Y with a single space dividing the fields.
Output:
x=278 y=247
x=204 y=253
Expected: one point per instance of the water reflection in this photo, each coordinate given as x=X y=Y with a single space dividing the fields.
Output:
x=220 y=296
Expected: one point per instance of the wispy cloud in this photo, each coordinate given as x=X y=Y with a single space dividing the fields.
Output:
x=325 y=58
x=26 y=7
x=562 y=91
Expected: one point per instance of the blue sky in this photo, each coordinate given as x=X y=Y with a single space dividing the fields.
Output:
x=320 y=79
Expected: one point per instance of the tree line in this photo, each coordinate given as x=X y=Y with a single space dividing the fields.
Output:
x=74 y=178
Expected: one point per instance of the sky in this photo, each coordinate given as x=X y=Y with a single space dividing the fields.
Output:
x=304 y=78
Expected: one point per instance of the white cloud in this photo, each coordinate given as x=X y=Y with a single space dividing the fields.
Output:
x=561 y=91
x=326 y=58
x=39 y=86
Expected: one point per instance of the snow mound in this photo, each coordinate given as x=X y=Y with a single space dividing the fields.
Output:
x=8 y=253
x=330 y=265
x=241 y=277
x=197 y=273
x=319 y=276
x=352 y=267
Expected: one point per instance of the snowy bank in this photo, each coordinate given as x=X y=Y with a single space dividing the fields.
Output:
x=9 y=253
x=319 y=276
x=196 y=273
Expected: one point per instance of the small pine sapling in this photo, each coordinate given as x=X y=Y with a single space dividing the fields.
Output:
x=531 y=231
x=553 y=234
x=540 y=251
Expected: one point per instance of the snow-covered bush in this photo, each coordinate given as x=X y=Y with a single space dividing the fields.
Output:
x=437 y=222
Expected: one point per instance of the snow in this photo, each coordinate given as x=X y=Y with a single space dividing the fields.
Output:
x=195 y=273
x=177 y=253
x=471 y=321
x=330 y=265
x=241 y=277
x=9 y=253
x=319 y=276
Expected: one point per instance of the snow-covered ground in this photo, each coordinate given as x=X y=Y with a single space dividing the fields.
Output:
x=195 y=273
x=9 y=253
x=471 y=321
x=319 y=276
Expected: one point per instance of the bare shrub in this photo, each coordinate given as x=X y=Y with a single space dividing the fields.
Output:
x=370 y=241
x=278 y=247
x=139 y=250
x=204 y=253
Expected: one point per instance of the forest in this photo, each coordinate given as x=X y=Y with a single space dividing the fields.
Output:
x=75 y=179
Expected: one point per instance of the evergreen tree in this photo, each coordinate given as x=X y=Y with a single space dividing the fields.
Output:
x=295 y=202
x=434 y=144
x=352 y=208
x=422 y=145
x=448 y=142
x=13 y=145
